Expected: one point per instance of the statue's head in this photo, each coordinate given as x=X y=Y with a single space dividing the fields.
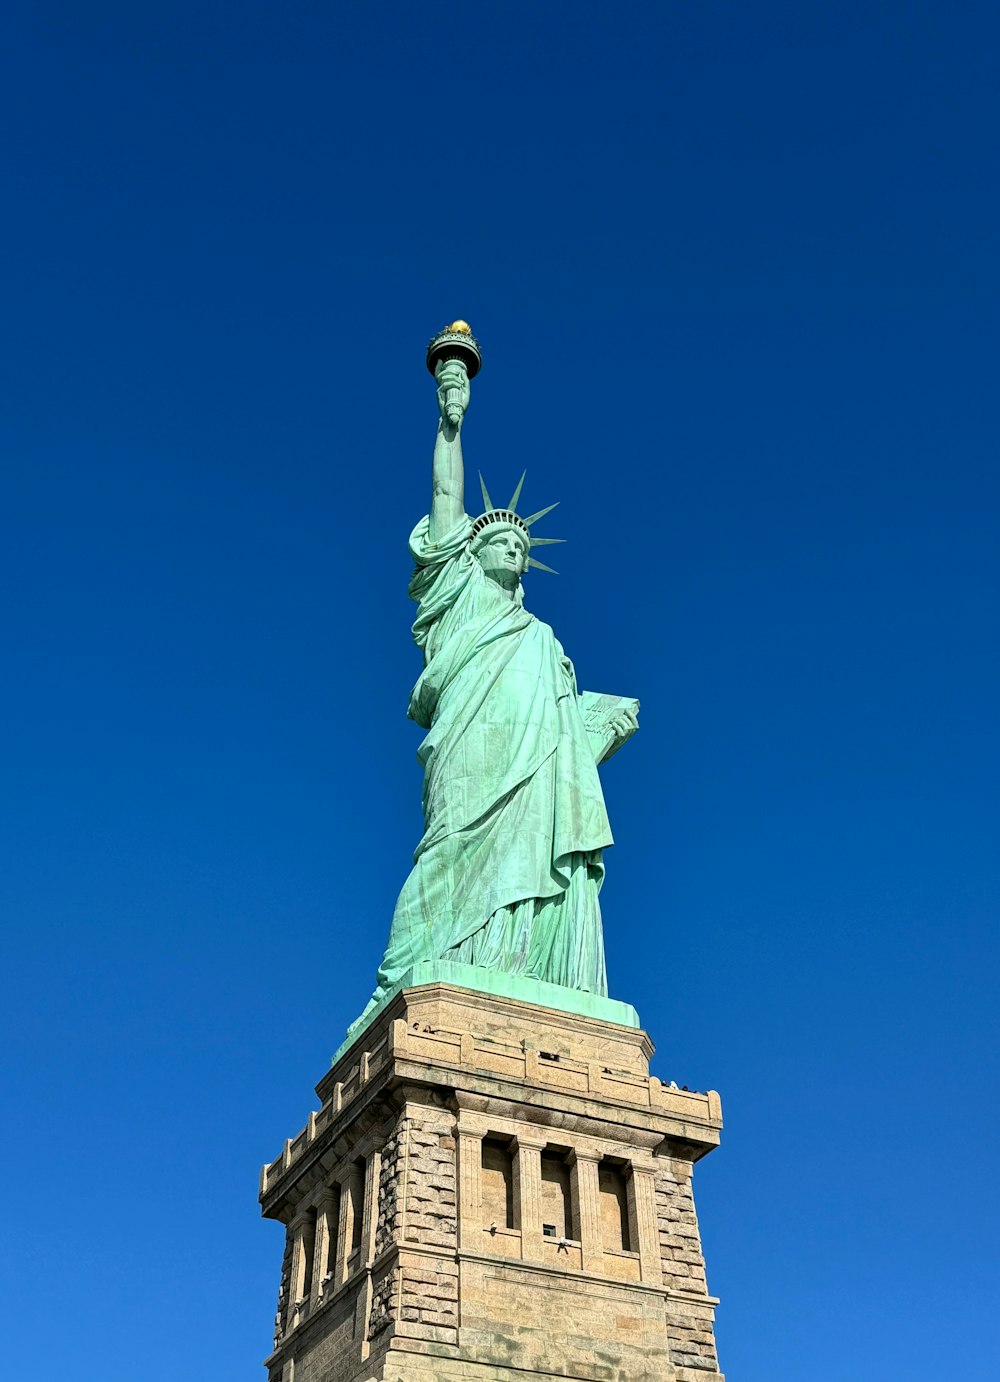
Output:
x=502 y=551
x=501 y=540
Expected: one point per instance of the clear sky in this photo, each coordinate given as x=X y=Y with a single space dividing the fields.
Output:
x=734 y=268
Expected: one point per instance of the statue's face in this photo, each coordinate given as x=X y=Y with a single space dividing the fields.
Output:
x=503 y=556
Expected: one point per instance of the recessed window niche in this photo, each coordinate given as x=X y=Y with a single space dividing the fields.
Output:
x=498 y=1182
x=556 y=1201
x=616 y=1234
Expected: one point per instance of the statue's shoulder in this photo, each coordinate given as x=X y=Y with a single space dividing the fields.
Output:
x=428 y=550
x=443 y=567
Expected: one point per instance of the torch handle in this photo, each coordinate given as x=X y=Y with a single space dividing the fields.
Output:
x=454 y=408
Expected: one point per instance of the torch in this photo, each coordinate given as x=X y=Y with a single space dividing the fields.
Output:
x=455 y=342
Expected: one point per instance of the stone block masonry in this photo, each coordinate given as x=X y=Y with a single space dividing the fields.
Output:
x=493 y=1190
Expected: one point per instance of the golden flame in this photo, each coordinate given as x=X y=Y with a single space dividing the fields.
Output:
x=460 y=326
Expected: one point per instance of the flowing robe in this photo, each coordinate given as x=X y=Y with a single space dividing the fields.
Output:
x=509 y=868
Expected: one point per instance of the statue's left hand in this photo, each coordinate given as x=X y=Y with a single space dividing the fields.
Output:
x=624 y=723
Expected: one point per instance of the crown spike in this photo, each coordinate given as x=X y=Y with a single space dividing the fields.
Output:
x=540 y=566
x=487 y=501
x=545 y=541
x=540 y=514
x=517 y=494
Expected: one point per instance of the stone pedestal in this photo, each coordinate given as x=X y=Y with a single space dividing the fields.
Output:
x=494 y=1190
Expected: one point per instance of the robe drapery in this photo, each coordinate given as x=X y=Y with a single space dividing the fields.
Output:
x=509 y=868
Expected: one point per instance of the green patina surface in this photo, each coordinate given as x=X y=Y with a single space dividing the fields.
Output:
x=501 y=985
x=507 y=875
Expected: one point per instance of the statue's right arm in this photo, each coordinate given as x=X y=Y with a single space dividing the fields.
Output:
x=448 y=474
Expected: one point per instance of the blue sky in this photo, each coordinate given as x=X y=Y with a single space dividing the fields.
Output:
x=734 y=270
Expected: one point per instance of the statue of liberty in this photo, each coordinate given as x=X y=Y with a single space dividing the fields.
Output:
x=508 y=871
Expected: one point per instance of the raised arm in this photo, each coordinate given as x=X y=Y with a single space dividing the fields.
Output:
x=448 y=475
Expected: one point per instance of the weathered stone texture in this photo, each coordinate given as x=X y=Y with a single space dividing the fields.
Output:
x=327 y=1341
x=429 y=1295
x=692 y=1340
x=284 y=1288
x=390 y=1209
x=385 y=1303
x=680 y=1239
x=431 y=1213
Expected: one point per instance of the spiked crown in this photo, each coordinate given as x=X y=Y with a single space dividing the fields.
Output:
x=510 y=518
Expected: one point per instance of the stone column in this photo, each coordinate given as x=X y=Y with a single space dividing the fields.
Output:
x=344 y=1229
x=470 y=1193
x=326 y=1234
x=300 y=1227
x=585 y=1190
x=369 y=1224
x=373 y=1169
x=643 y=1224
x=528 y=1196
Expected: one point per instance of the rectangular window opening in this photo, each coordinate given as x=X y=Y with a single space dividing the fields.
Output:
x=332 y=1229
x=308 y=1254
x=612 y=1183
x=497 y=1182
x=356 y=1187
x=556 y=1194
